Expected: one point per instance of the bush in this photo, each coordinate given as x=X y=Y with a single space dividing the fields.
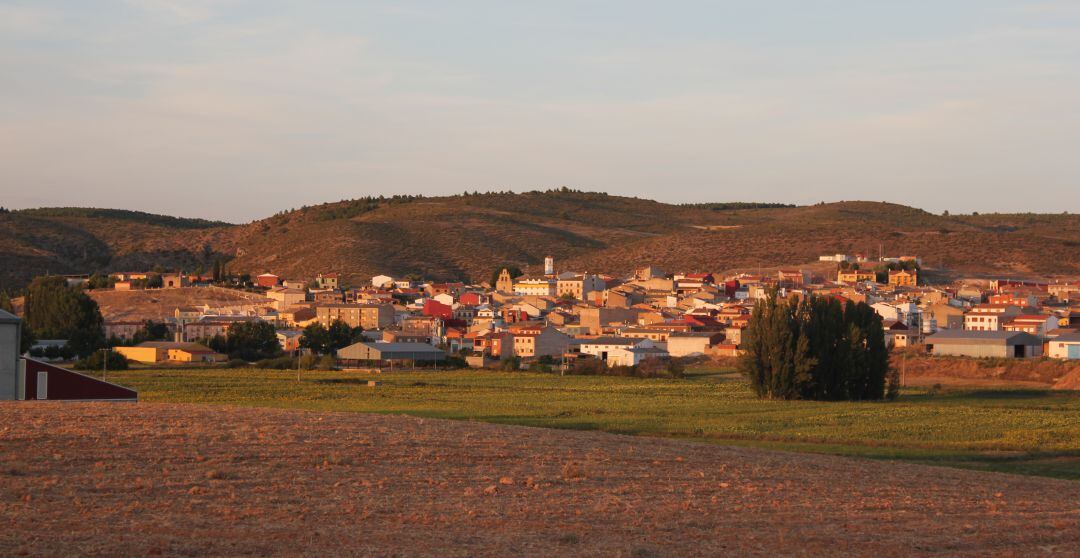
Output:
x=308 y=361
x=648 y=368
x=455 y=362
x=587 y=367
x=98 y=360
x=659 y=368
x=540 y=367
x=237 y=363
x=279 y=363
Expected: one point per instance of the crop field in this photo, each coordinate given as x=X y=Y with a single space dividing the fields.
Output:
x=149 y=479
x=1025 y=431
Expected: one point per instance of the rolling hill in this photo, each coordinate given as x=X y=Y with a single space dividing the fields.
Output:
x=466 y=236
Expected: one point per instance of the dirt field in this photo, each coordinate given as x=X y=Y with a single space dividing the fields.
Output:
x=922 y=370
x=155 y=479
x=157 y=304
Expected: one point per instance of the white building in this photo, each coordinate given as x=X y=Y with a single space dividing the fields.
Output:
x=1065 y=346
x=535 y=286
x=989 y=317
x=907 y=313
x=633 y=356
x=604 y=347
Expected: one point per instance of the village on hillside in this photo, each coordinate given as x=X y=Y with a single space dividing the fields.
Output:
x=560 y=320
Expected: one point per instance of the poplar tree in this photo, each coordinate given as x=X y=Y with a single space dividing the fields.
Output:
x=814 y=348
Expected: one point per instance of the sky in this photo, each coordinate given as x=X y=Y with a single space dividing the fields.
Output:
x=237 y=109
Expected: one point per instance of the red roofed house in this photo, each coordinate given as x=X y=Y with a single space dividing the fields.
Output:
x=472 y=298
x=327 y=280
x=267 y=280
x=1035 y=324
x=793 y=277
x=437 y=309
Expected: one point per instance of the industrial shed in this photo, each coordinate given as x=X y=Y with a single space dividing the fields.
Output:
x=29 y=379
x=987 y=344
x=391 y=353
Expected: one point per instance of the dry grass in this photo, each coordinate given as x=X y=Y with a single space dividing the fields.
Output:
x=150 y=479
x=920 y=369
x=156 y=304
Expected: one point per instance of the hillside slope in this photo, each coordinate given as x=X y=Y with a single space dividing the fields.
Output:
x=466 y=237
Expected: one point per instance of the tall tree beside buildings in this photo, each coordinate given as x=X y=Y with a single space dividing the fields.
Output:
x=56 y=311
x=815 y=348
x=252 y=340
x=315 y=338
x=322 y=340
x=219 y=270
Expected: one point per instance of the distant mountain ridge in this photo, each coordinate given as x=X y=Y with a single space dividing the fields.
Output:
x=467 y=236
x=123 y=215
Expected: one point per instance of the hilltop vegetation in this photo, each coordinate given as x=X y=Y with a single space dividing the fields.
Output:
x=465 y=236
x=124 y=215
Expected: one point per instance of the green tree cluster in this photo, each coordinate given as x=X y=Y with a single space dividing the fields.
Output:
x=248 y=341
x=815 y=348
x=150 y=331
x=882 y=272
x=105 y=359
x=328 y=340
x=56 y=311
x=97 y=281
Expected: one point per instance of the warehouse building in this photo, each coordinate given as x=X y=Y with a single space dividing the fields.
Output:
x=29 y=379
x=985 y=344
x=391 y=353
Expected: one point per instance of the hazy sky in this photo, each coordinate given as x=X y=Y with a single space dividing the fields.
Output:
x=236 y=109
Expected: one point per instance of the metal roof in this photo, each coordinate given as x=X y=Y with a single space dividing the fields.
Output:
x=969 y=337
x=8 y=318
x=392 y=351
x=1067 y=338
